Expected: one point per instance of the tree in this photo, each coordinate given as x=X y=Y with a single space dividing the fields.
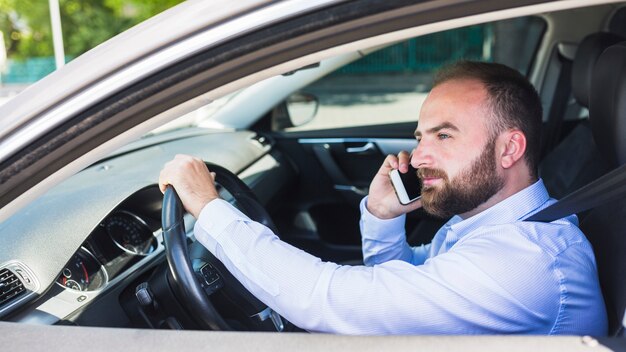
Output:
x=85 y=23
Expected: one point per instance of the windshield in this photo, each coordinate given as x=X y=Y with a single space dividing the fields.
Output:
x=242 y=108
x=198 y=118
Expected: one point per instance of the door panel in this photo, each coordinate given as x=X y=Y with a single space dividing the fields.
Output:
x=322 y=213
x=351 y=163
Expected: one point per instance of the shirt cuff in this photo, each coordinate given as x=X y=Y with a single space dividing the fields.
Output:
x=213 y=220
x=375 y=228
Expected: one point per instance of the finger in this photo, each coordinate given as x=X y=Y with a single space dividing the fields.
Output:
x=167 y=174
x=162 y=182
x=162 y=186
x=403 y=161
x=413 y=206
x=391 y=162
x=213 y=175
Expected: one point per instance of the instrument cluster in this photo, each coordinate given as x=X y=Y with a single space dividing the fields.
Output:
x=124 y=237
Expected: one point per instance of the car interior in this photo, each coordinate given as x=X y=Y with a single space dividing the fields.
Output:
x=306 y=183
x=603 y=224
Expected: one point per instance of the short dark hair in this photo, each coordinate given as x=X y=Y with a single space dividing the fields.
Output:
x=513 y=101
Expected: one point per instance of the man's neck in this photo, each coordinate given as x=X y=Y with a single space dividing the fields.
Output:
x=511 y=187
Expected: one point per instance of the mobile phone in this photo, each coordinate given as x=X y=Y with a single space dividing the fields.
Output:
x=408 y=186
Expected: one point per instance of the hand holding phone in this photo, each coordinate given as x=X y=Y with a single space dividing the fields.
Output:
x=408 y=186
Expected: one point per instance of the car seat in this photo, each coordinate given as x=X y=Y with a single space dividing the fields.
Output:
x=576 y=161
x=605 y=226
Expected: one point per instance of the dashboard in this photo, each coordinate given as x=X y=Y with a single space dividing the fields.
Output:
x=86 y=244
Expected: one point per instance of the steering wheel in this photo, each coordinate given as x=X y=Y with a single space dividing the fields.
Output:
x=198 y=276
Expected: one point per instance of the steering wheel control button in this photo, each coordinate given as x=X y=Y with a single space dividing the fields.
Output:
x=210 y=276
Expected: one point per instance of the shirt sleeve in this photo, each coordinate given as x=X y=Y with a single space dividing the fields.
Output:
x=450 y=293
x=385 y=239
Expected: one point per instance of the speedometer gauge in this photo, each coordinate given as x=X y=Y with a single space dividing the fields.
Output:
x=130 y=233
x=83 y=272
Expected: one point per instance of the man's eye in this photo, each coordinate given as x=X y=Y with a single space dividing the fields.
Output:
x=443 y=136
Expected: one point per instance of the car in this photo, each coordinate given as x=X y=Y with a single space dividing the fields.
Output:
x=287 y=97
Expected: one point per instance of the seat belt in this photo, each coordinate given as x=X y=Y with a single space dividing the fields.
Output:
x=605 y=189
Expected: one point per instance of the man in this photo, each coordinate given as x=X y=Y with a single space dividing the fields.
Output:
x=486 y=270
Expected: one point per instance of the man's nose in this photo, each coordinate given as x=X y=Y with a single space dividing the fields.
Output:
x=421 y=156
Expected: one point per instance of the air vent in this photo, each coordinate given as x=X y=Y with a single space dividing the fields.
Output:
x=10 y=286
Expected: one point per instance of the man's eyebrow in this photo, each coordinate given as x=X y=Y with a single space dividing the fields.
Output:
x=437 y=128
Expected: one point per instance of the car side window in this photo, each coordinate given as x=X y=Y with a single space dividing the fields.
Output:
x=389 y=85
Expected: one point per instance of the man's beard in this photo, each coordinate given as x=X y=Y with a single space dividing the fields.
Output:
x=470 y=188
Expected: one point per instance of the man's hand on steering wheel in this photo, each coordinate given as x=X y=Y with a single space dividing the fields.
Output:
x=193 y=182
x=187 y=183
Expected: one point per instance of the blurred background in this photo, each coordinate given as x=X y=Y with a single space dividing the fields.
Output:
x=27 y=43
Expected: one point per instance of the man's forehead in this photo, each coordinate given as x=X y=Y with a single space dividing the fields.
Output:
x=456 y=104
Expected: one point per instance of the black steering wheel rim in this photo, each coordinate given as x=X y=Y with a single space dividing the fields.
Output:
x=185 y=279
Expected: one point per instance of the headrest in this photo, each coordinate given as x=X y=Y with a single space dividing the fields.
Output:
x=587 y=54
x=607 y=109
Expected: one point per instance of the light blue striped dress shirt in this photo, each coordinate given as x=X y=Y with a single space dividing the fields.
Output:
x=489 y=274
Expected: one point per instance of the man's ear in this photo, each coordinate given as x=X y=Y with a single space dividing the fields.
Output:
x=513 y=148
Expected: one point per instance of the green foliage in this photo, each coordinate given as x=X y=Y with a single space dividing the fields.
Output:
x=139 y=10
x=85 y=23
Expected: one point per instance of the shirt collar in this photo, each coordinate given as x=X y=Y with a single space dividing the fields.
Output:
x=514 y=208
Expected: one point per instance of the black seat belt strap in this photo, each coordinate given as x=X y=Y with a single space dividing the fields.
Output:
x=607 y=188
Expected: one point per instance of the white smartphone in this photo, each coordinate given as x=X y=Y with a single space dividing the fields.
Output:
x=408 y=186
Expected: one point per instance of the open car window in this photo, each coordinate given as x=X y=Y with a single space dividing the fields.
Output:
x=389 y=85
